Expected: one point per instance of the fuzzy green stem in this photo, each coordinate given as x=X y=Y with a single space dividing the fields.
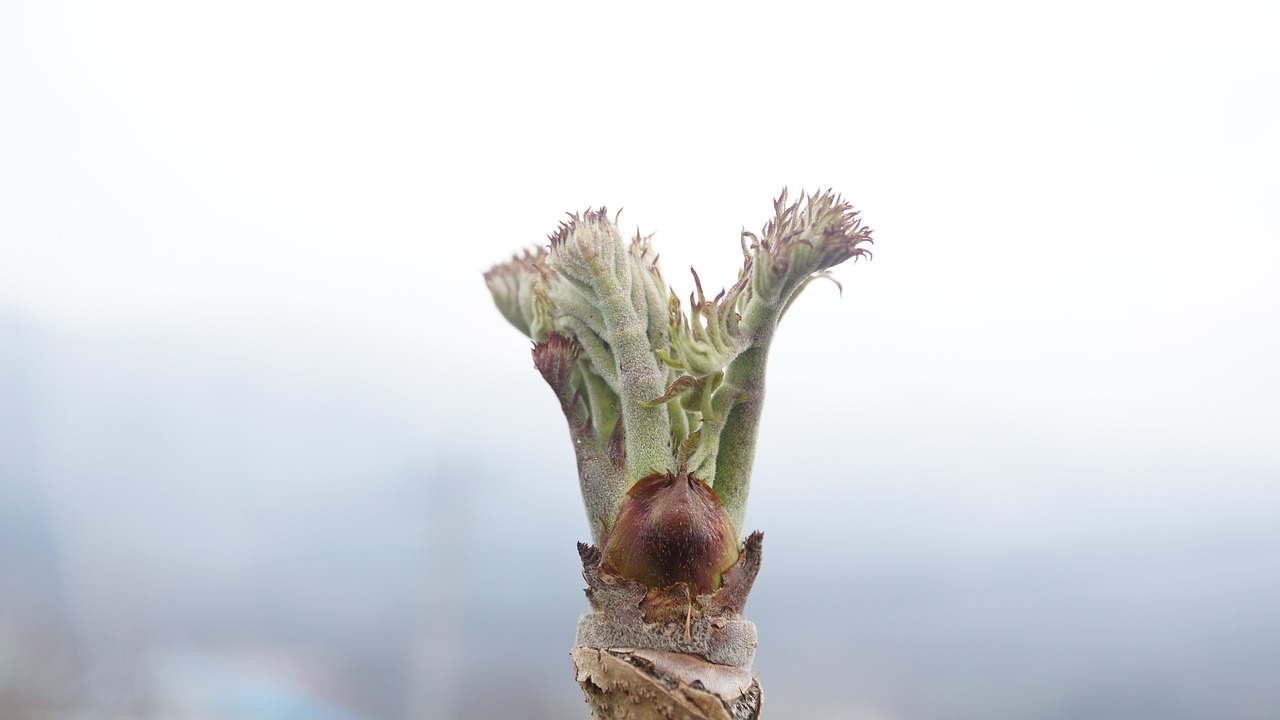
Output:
x=602 y=483
x=601 y=478
x=647 y=429
x=738 y=438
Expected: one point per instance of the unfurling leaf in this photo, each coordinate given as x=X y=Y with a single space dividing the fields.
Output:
x=518 y=289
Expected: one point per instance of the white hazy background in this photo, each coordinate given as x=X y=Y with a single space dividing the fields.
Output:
x=268 y=451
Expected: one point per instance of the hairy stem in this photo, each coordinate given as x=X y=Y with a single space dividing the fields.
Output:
x=738 y=438
x=647 y=428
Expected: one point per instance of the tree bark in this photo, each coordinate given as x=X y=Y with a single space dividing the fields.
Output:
x=644 y=653
x=621 y=684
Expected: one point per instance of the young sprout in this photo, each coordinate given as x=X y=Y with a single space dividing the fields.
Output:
x=663 y=407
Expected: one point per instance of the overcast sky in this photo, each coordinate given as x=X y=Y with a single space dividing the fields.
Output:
x=1074 y=207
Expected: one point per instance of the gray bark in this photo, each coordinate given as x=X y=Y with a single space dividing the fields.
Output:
x=664 y=653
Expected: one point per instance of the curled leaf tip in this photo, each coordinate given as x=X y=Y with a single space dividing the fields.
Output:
x=681 y=384
x=817 y=232
x=517 y=287
x=555 y=357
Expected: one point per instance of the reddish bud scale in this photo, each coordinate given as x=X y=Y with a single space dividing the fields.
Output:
x=670 y=529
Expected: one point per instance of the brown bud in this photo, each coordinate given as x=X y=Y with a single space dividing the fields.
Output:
x=672 y=528
x=555 y=358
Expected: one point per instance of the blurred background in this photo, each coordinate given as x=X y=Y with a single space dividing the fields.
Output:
x=267 y=450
